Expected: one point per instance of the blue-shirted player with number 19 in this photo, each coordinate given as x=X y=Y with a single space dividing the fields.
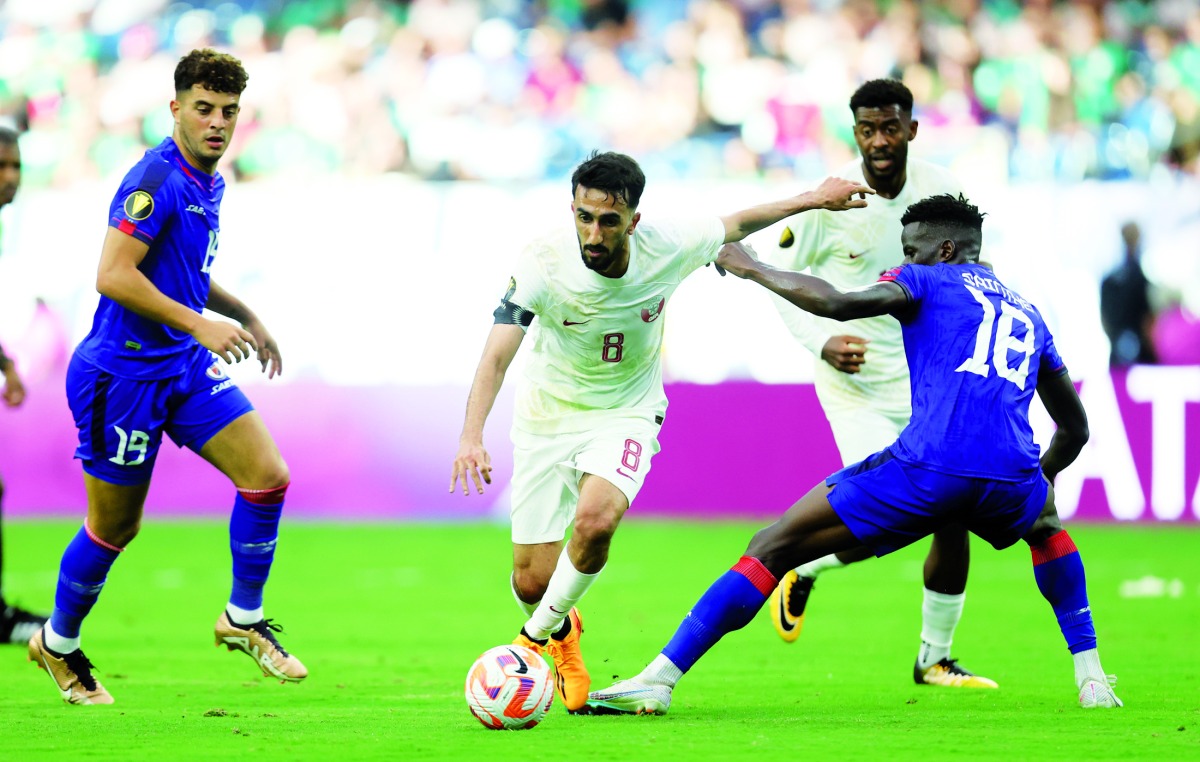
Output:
x=976 y=351
x=152 y=364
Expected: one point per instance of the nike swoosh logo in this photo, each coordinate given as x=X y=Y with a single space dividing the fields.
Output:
x=627 y=476
x=524 y=667
x=855 y=256
x=785 y=621
x=572 y=322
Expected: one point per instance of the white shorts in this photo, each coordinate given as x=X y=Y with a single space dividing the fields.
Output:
x=547 y=470
x=864 y=431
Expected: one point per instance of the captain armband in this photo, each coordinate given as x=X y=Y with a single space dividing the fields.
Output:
x=512 y=314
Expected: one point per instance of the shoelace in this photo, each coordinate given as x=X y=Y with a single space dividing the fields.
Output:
x=82 y=667
x=267 y=628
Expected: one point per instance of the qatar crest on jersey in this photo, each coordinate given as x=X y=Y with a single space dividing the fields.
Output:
x=216 y=372
x=653 y=310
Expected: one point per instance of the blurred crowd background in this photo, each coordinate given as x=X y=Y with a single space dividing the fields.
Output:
x=509 y=90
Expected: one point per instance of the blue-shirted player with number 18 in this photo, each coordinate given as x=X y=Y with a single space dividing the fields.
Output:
x=976 y=352
x=152 y=364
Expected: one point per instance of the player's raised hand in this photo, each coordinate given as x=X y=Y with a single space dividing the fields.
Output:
x=737 y=258
x=838 y=194
x=846 y=353
x=473 y=459
x=268 y=350
x=230 y=342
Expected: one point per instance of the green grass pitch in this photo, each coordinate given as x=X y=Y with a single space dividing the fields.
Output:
x=388 y=617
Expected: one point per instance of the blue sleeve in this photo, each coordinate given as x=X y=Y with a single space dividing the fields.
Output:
x=145 y=202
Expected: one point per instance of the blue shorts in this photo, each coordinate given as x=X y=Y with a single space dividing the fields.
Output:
x=889 y=504
x=121 y=420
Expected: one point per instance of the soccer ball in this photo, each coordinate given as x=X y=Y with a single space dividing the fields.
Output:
x=509 y=688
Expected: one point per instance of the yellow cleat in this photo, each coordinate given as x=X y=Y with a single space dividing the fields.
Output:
x=948 y=674
x=787 y=605
x=571 y=679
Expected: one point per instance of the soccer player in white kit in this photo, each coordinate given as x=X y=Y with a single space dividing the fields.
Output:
x=862 y=381
x=591 y=403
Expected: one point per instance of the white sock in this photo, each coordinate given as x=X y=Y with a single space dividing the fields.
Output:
x=661 y=671
x=1087 y=667
x=243 y=616
x=813 y=569
x=567 y=586
x=939 y=616
x=528 y=608
x=57 y=643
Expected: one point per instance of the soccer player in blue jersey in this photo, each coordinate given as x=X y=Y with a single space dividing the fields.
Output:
x=976 y=351
x=152 y=364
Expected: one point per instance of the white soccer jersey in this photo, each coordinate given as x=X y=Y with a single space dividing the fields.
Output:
x=597 y=341
x=850 y=249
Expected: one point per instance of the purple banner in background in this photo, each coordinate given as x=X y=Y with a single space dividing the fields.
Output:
x=737 y=449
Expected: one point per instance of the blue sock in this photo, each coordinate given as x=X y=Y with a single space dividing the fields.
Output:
x=728 y=605
x=253 y=530
x=81 y=575
x=1058 y=570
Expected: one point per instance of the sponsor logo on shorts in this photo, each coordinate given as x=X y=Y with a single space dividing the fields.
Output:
x=221 y=387
x=653 y=310
x=196 y=209
x=139 y=205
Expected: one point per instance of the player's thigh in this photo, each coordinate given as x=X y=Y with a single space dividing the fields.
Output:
x=889 y=504
x=616 y=457
x=1008 y=511
x=119 y=420
x=212 y=417
x=863 y=431
x=808 y=530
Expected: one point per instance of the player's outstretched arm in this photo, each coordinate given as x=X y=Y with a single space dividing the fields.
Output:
x=119 y=278
x=835 y=193
x=472 y=458
x=224 y=303
x=809 y=292
x=1066 y=409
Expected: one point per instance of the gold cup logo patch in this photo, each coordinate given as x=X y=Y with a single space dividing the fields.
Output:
x=139 y=205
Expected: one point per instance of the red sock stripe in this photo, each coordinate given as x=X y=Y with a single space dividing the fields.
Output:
x=96 y=539
x=753 y=570
x=1057 y=546
x=273 y=496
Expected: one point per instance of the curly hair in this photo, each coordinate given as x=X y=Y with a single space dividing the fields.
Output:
x=219 y=72
x=879 y=93
x=614 y=173
x=945 y=210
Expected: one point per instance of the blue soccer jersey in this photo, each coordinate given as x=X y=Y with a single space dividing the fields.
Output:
x=975 y=350
x=174 y=207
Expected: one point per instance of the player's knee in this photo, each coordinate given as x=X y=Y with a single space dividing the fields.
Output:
x=528 y=585
x=595 y=527
x=1043 y=529
x=272 y=474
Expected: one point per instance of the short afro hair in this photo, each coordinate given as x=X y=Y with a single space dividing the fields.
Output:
x=945 y=210
x=880 y=93
x=218 y=72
